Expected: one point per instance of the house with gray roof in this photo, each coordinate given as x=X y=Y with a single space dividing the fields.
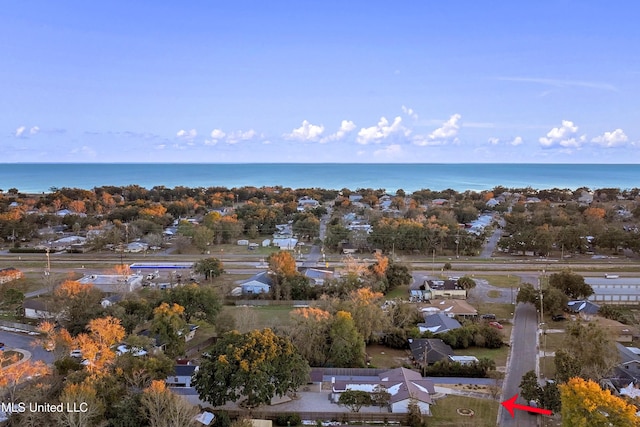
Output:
x=438 y=323
x=402 y=384
x=258 y=284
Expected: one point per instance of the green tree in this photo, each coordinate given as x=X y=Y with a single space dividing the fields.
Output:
x=397 y=275
x=466 y=282
x=169 y=324
x=354 y=400
x=571 y=284
x=528 y=294
x=199 y=302
x=257 y=366
x=202 y=238
x=550 y=397
x=347 y=346
x=209 y=267
x=529 y=388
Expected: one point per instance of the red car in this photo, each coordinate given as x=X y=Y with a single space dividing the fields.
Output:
x=496 y=325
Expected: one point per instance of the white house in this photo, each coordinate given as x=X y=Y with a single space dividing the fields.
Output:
x=37 y=309
x=182 y=376
x=401 y=383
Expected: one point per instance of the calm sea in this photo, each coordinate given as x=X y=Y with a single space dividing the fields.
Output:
x=39 y=177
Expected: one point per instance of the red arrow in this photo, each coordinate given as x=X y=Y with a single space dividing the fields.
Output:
x=511 y=404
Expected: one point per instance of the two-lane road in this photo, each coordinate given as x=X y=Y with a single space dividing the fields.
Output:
x=522 y=359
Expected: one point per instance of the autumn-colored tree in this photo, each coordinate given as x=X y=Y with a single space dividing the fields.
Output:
x=365 y=309
x=153 y=211
x=594 y=213
x=14 y=374
x=79 y=303
x=379 y=268
x=282 y=264
x=96 y=346
x=83 y=397
x=166 y=409
x=257 y=365
x=585 y=404
x=169 y=324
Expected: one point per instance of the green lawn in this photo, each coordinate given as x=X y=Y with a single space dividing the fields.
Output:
x=494 y=294
x=445 y=415
x=498 y=355
x=501 y=280
x=502 y=311
x=385 y=357
x=399 y=292
x=553 y=341
x=254 y=317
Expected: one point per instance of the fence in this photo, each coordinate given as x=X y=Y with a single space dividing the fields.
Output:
x=342 y=417
x=20 y=327
x=264 y=302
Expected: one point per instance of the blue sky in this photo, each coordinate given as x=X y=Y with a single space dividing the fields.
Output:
x=320 y=81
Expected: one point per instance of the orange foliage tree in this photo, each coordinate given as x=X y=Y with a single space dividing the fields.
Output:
x=17 y=372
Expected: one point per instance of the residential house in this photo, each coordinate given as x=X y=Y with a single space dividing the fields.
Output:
x=258 y=284
x=182 y=376
x=451 y=307
x=111 y=300
x=584 y=308
x=586 y=198
x=404 y=385
x=348 y=248
x=9 y=274
x=37 y=309
x=444 y=289
x=307 y=202
x=427 y=351
x=113 y=283
x=317 y=276
x=628 y=370
x=438 y=323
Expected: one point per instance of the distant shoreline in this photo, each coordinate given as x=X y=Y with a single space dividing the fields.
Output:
x=37 y=178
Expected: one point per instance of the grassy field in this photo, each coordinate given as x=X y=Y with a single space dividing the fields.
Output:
x=445 y=415
x=494 y=294
x=385 y=357
x=498 y=355
x=501 y=281
x=249 y=318
x=399 y=292
x=502 y=311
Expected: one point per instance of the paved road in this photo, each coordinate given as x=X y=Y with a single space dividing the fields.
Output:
x=522 y=359
x=316 y=250
x=487 y=250
x=26 y=342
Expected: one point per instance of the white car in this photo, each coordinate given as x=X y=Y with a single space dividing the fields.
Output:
x=135 y=351
x=76 y=354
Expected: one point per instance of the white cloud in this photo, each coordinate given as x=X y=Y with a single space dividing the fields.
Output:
x=188 y=135
x=20 y=131
x=446 y=133
x=237 y=136
x=493 y=141
x=85 y=150
x=409 y=112
x=516 y=141
x=381 y=131
x=217 y=134
x=34 y=130
x=563 y=136
x=346 y=127
x=306 y=132
x=392 y=150
x=611 y=139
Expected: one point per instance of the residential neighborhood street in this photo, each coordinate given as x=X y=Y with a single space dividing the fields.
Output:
x=522 y=359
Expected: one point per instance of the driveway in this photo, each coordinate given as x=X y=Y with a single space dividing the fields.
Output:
x=27 y=342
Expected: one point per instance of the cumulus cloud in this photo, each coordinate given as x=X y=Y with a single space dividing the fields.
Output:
x=565 y=136
x=20 y=131
x=446 y=133
x=346 y=127
x=392 y=150
x=216 y=135
x=409 y=112
x=384 y=129
x=188 y=135
x=611 y=139
x=239 y=135
x=493 y=141
x=85 y=151
x=516 y=141
x=306 y=132
x=34 y=130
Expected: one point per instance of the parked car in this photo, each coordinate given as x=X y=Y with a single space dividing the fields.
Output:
x=489 y=316
x=76 y=354
x=1 y=346
x=558 y=317
x=496 y=325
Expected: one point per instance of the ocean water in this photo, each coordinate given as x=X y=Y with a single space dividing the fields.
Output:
x=41 y=177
